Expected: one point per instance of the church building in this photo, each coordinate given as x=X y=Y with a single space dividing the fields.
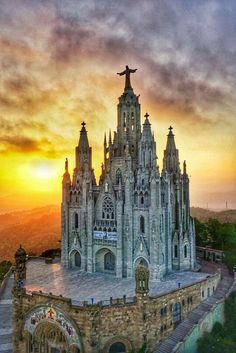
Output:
x=136 y=214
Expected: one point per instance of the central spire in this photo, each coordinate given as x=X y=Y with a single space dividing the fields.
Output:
x=127 y=73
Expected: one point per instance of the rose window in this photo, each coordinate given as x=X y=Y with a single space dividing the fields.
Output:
x=107 y=208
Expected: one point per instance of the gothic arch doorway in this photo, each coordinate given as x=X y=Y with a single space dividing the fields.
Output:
x=77 y=259
x=109 y=261
x=105 y=261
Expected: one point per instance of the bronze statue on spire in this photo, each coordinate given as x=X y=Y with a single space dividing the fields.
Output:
x=127 y=73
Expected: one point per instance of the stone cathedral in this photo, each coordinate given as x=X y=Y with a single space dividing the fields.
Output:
x=135 y=226
x=136 y=214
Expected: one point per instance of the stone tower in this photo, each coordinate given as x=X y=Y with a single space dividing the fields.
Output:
x=134 y=215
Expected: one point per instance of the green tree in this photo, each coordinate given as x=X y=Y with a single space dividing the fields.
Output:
x=222 y=339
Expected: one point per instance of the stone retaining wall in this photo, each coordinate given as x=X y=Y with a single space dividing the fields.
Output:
x=133 y=322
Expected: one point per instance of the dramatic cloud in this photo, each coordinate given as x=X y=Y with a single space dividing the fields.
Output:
x=58 y=67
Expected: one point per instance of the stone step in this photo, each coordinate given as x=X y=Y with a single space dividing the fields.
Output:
x=5 y=339
x=5 y=347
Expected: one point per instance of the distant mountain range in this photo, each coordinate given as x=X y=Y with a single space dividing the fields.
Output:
x=202 y=214
x=36 y=229
x=39 y=229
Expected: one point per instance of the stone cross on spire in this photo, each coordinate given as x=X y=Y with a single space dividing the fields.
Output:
x=127 y=73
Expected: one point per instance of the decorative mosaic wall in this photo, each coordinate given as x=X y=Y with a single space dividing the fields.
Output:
x=53 y=315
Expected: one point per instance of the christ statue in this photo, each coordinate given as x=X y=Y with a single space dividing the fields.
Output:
x=127 y=73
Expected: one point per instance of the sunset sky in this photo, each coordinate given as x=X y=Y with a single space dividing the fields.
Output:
x=58 y=65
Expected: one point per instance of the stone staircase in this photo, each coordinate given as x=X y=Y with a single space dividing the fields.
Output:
x=171 y=344
x=6 y=316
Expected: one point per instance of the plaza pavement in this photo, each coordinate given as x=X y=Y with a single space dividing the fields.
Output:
x=80 y=286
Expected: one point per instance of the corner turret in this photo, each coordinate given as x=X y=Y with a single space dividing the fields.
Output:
x=20 y=265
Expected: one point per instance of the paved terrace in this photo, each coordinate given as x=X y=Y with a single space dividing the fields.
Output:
x=80 y=286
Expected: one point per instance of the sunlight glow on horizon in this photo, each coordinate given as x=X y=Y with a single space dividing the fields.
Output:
x=58 y=72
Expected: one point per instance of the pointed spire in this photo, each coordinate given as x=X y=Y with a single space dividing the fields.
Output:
x=184 y=168
x=110 y=140
x=83 y=150
x=171 y=154
x=170 y=146
x=147 y=133
x=66 y=165
x=66 y=175
x=146 y=122
x=105 y=140
x=83 y=141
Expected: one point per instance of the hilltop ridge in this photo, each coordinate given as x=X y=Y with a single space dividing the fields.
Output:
x=38 y=229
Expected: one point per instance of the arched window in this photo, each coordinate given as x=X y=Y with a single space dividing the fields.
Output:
x=124 y=121
x=76 y=221
x=109 y=261
x=146 y=199
x=117 y=347
x=142 y=224
x=107 y=208
x=163 y=259
x=177 y=314
x=176 y=251
x=142 y=200
x=135 y=199
x=77 y=259
x=118 y=176
x=132 y=121
x=185 y=251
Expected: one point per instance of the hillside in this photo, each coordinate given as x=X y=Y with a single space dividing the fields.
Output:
x=39 y=229
x=227 y=216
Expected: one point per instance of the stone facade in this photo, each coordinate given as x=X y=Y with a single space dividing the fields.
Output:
x=45 y=323
x=135 y=214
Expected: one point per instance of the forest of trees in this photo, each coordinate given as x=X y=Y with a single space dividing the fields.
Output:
x=222 y=339
x=220 y=236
